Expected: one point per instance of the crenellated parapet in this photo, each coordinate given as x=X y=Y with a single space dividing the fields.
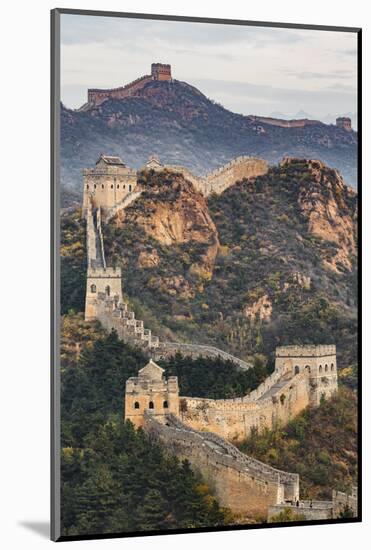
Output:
x=247 y=486
x=115 y=314
x=217 y=181
x=96 y=96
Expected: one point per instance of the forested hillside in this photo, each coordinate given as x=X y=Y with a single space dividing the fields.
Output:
x=319 y=444
x=113 y=478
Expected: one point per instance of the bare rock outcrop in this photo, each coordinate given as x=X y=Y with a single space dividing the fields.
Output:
x=330 y=208
x=172 y=212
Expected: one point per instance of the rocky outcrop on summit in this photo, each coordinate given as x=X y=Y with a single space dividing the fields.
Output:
x=174 y=213
x=171 y=212
x=330 y=208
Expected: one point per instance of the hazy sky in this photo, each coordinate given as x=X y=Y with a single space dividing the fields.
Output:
x=249 y=70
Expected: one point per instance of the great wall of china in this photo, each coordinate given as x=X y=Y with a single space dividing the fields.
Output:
x=113 y=186
x=199 y=429
x=97 y=96
x=162 y=72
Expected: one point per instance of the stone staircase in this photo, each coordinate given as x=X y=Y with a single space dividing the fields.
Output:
x=276 y=387
x=126 y=201
x=116 y=315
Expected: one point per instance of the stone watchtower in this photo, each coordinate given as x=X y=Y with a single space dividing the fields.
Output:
x=160 y=71
x=318 y=363
x=344 y=122
x=108 y=183
x=150 y=391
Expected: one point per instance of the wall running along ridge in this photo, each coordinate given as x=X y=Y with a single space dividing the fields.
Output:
x=189 y=426
x=246 y=486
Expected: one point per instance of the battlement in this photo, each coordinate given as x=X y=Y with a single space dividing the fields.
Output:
x=217 y=181
x=344 y=122
x=96 y=96
x=245 y=485
x=108 y=184
x=306 y=351
x=282 y=123
x=104 y=272
x=160 y=71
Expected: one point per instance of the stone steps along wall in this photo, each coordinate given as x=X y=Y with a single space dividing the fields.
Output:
x=91 y=246
x=126 y=201
x=116 y=315
x=99 y=241
x=129 y=329
x=170 y=348
x=239 y=482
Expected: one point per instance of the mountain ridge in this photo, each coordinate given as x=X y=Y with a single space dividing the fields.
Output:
x=182 y=126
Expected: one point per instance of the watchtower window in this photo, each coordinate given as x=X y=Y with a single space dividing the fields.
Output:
x=297 y=369
x=136 y=405
x=326 y=368
x=112 y=186
x=332 y=366
x=87 y=186
x=151 y=405
x=118 y=187
x=95 y=186
x=102 y=186
x=129 y=188
x=307 y=368
x=108 y=290
x=166 y=405
x=320 y=368
x=93 y=288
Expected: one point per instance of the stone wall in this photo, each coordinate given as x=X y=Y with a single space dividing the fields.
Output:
x=247 y=486
x=219 y=180
x=97 y=96
x=159 y=71
x=116 y=315
x=342 y=501
x=295 y=123
x=238 y=169
x=235 y=418
x=311 y=510
x=168 y=349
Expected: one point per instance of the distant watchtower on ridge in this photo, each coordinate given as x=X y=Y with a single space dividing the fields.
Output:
x=160 y=71
x=344 y=122
x=96 y=96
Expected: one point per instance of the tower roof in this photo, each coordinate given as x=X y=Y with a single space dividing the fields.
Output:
x=112 y=161
x=154 y=159
x=152 y=371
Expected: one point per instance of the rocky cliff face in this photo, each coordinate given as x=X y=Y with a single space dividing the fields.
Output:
x=174 y=218
x=172 y=212
x=270 y=261
x=329 y=205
